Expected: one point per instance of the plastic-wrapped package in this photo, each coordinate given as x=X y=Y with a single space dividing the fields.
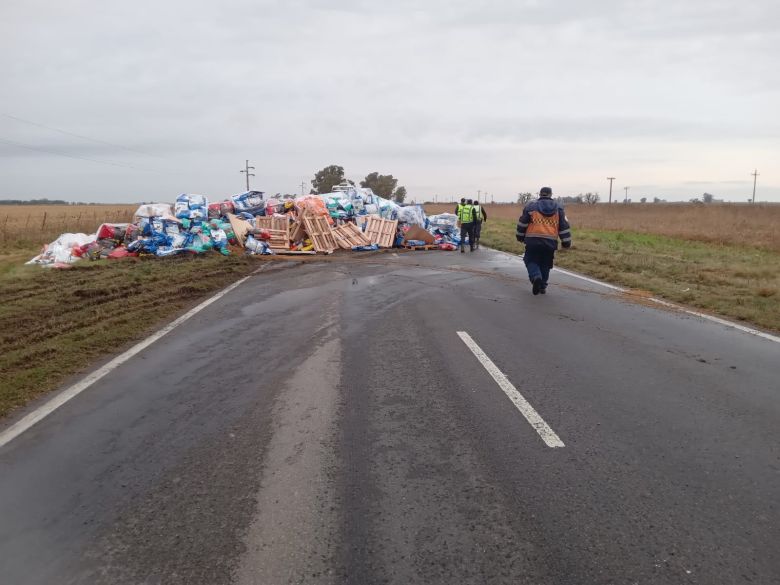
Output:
x=249 y=202
x=273 y=206
x=411 y=215
x=312 y=205
x=254 y=246
x=112 y=231
x=191 y=206
x=121 y=252
x=220 y=241
x=220 y=209
x=66 y=249
x=368 y=248
x=162 y=210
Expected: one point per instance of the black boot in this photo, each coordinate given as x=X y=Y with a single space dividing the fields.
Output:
x=536 y=285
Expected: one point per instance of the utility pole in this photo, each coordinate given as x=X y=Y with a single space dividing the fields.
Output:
x=248 y=174
x=303 y=186
x=492 y=199
x=610 y=179
x=479 y=192
x=626 y=199
x=755 y=176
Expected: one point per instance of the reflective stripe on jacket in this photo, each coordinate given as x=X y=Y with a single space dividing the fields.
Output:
x=466 y=213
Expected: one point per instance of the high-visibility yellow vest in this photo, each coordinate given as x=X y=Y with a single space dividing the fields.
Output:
x=478 y=213
x=464 y=213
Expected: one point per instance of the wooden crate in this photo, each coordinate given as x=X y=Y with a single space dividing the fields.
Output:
x=272 y=223
x=349 y=235
x=280 y=239
x=320 y=233
x=381 y=231
x=297 y=231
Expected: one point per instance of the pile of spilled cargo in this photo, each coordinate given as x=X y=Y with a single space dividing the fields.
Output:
x=350 y=218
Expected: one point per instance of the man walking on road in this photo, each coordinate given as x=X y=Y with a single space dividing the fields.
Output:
x=480 y=215
x=459 y=205
x=542 y=223
x=466 y=218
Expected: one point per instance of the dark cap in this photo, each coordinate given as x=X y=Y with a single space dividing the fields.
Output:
x=469 y=201
x=545 y=192
x=463 y=200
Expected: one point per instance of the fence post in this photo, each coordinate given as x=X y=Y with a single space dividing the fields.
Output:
x=43 y=223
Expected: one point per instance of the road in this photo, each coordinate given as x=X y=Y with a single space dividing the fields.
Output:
x=326 y=423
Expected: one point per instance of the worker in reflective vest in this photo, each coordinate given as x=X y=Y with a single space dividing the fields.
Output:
x=479 y=216
x=543 y=222
x=466 y=218
x=457 y=208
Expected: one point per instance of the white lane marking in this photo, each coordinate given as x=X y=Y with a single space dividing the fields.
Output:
x=528 y=411
x=46 y=409
x=663 y=303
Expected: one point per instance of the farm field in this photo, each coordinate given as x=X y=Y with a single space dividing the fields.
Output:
x=723 y=259
x=31 y=226
x=741 y=224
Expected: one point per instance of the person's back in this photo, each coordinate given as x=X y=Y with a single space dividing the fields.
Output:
x=543 y=222
x=466 y=219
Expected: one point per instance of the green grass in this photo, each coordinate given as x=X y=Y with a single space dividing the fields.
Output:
x=55 y=323
x=737 y=282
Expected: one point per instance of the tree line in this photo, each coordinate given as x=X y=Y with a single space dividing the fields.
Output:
x=333 y=175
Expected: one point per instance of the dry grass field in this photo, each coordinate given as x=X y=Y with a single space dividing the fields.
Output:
x=741 y=224
x=31 y=226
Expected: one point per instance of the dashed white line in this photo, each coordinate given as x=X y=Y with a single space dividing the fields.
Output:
x=46 y=409
x=528 y=411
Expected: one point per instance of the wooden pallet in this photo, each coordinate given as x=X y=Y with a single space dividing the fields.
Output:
x=381 y=231
x=272 y=223
x=320 y=233
x=349 y=235
x=297 y=231
x=280 y=239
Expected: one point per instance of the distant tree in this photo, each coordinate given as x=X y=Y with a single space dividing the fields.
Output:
x=695 y=200
x=382 y=185
x=592 y=198
x=523 y=198
x=657 y=200
x=707 y=197
x=400 y=194
x=327 y=178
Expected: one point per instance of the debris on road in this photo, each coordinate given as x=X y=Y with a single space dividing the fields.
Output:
x=349 y=218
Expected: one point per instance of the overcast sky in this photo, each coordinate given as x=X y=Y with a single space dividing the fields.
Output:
x=673 y=98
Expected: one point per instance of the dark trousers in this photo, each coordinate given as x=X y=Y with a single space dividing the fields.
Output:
x=467 y=229
x=539 y=261
x=477 y=230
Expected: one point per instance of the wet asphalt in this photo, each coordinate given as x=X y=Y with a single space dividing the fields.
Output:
x=324 y=423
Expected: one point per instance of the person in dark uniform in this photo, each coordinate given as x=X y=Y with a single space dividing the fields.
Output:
x=480 y=215
x=543 y=222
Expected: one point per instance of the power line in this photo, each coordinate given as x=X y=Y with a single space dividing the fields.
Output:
x=74 y=156
x=81 y=136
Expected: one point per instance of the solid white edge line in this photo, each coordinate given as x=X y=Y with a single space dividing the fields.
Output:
x=664 y=303
x=525 y=408
x=46 y=409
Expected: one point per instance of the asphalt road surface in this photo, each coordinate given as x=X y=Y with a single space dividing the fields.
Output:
x=327 y=423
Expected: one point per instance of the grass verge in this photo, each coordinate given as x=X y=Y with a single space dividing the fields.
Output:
x=740 y=283
x=54 y=323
